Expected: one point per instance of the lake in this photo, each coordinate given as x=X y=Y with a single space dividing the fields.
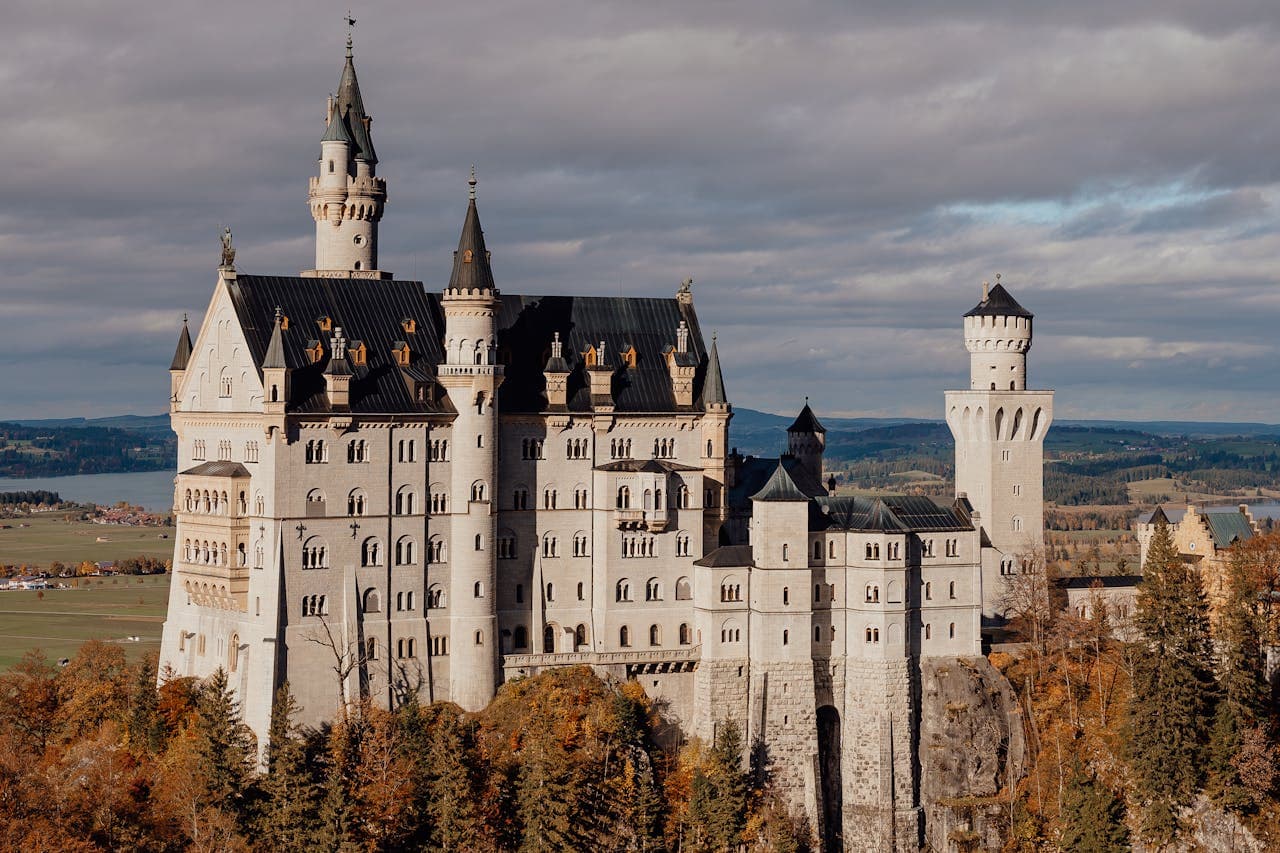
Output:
x=151 y=490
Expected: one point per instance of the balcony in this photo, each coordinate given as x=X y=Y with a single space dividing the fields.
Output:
x=629 y=519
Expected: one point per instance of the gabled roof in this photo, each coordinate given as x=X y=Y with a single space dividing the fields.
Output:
x=998 y=304
x=806 y=421
x=1228 y=527
x=651 y=466
x=780 y=488
x=182 y=354
x=714 y=390
x=1158 y=516
x=881 y=518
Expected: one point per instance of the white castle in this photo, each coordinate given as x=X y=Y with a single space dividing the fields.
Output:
x=384 y=490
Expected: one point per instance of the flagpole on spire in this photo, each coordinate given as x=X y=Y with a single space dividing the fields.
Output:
x=351 y=25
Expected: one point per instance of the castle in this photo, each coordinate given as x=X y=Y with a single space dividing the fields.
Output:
x=384 y=490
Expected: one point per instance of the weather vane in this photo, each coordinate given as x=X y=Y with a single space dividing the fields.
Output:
x=351 y=25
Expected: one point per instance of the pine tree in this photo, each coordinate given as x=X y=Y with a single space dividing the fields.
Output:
x=1092 y=816
x=547 y=799
x=727 y=811
x=287 y=816
x=1173 y=688
x=143 y=723
x=224 y=743
x=1243 y=686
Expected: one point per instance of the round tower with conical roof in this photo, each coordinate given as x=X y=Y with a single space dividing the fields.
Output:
x=347 y=197
x=471 y=375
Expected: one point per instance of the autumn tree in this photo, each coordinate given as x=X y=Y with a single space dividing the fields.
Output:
x=1172 y=702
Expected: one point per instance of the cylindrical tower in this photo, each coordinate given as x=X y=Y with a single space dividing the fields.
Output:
x=471 y=375
x=997 y=335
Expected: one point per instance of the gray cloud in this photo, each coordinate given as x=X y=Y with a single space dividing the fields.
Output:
x=838 y=182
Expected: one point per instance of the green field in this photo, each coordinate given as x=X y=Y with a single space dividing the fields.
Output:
x=103 y=608
x=49 y=538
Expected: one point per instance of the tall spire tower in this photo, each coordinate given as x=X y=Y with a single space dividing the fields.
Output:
x=471 y=375
x=347 y=197
x=999 y=428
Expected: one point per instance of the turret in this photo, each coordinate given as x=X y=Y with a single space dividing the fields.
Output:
x=346 y=197
x=556 y=372
x=178 y=367
x=806 y=441
x=471 y=376
x=997 y=334
x=337 y=374
x=715 y=449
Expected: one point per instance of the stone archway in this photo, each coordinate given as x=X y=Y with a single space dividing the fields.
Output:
x=832 y=789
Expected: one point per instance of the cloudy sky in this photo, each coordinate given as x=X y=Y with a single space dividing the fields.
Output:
x=838 y=182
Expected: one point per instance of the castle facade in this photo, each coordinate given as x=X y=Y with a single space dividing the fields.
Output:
x=385 y=490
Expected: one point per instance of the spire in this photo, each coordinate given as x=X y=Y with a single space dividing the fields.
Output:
x=350 y=109
x=183 y=353
x=996 y=302
x=806 y=421
x=274 y=359
x=471 y=269
x=714 y=391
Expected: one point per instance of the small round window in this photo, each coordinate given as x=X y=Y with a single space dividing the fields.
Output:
x=358 y=239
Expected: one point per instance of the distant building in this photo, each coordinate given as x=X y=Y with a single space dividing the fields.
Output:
x=1117 y=594
x=1203 y=537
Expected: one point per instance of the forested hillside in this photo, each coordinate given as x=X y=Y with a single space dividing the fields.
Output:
x=48 y=450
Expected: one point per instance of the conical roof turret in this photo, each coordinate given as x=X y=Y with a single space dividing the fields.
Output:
x=471 y=270
x=714 y=391
x=780 y=487
x=997 y=302
x=349 y=107
x=183 y=353
x=806 y=421
x=274 y=359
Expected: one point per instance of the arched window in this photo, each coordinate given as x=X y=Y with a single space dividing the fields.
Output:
x=785 y=547
x=928 y=632
x=549 y=498
x=951 y=630
x=831 y=550
x=406 y=501
x=479 y=491
x=683 y=590
x=817 y=550
x=786 y=595
x=623 y=590
x=579 y=636
x=873 y=594
x=404 y=551
x=549 y=639
x=655 y=636
x=520 y=637
x=868 y=550
x=624 y=636
x=233 y=653
x=478 y=589
x=355 y=502
x=653 y=590
x=551 y=592
x=372 y=601
x=786 y=636
x=951 y=590
x=817 y=633
x=315 y=554
x=684 y=634
x=436 y=550
x=371 y=552
x=371 y=649
x=928 y=591
x=435 y=597
x=479 y=541
x=624 y=497
x=549 y=545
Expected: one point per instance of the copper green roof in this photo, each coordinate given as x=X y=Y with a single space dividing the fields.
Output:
x=1228 y=527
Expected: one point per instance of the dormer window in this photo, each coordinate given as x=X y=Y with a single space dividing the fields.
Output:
x=401 y=353
x=590 y=357
x=466 y=256
x=325 y=323
x=358 y=352
x=629 y=356
x=409 y=325
x=284 y=323
x=315 y=351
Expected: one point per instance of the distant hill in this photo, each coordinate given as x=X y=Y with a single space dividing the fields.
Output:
x=132 y=423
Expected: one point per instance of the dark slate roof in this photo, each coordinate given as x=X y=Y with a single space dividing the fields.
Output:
x=998 y=304
x=726 y=556
x=368 y=309
x=806 y=421
x=351 y=108
x=651 y=466
x=1157 y=515
x=1107 y=581
x=755 y=471
x=888 y=513
x=780 y=488
x=714 y=391
x=373 y=311
x=471 y=262
x=183 y=353
x=217 y=469
x=526 y=325
x=336 y=130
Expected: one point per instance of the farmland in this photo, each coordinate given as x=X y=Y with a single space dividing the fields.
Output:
x=58 y=621
x=50 y=538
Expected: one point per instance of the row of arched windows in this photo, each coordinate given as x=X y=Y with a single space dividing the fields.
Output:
x=620 y=448
x=639 y=545
x=531 y=448
x=206 y=553
x=317 y=451
x=577 y=448
x=211 y=502
x=358 y=450
x=684 y=635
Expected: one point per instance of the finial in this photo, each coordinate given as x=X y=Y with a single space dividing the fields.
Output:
x=713 y=337
x=279 y=314
x=472 y=183
x=986 y=290
x=184 y=318
x=351 y=23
